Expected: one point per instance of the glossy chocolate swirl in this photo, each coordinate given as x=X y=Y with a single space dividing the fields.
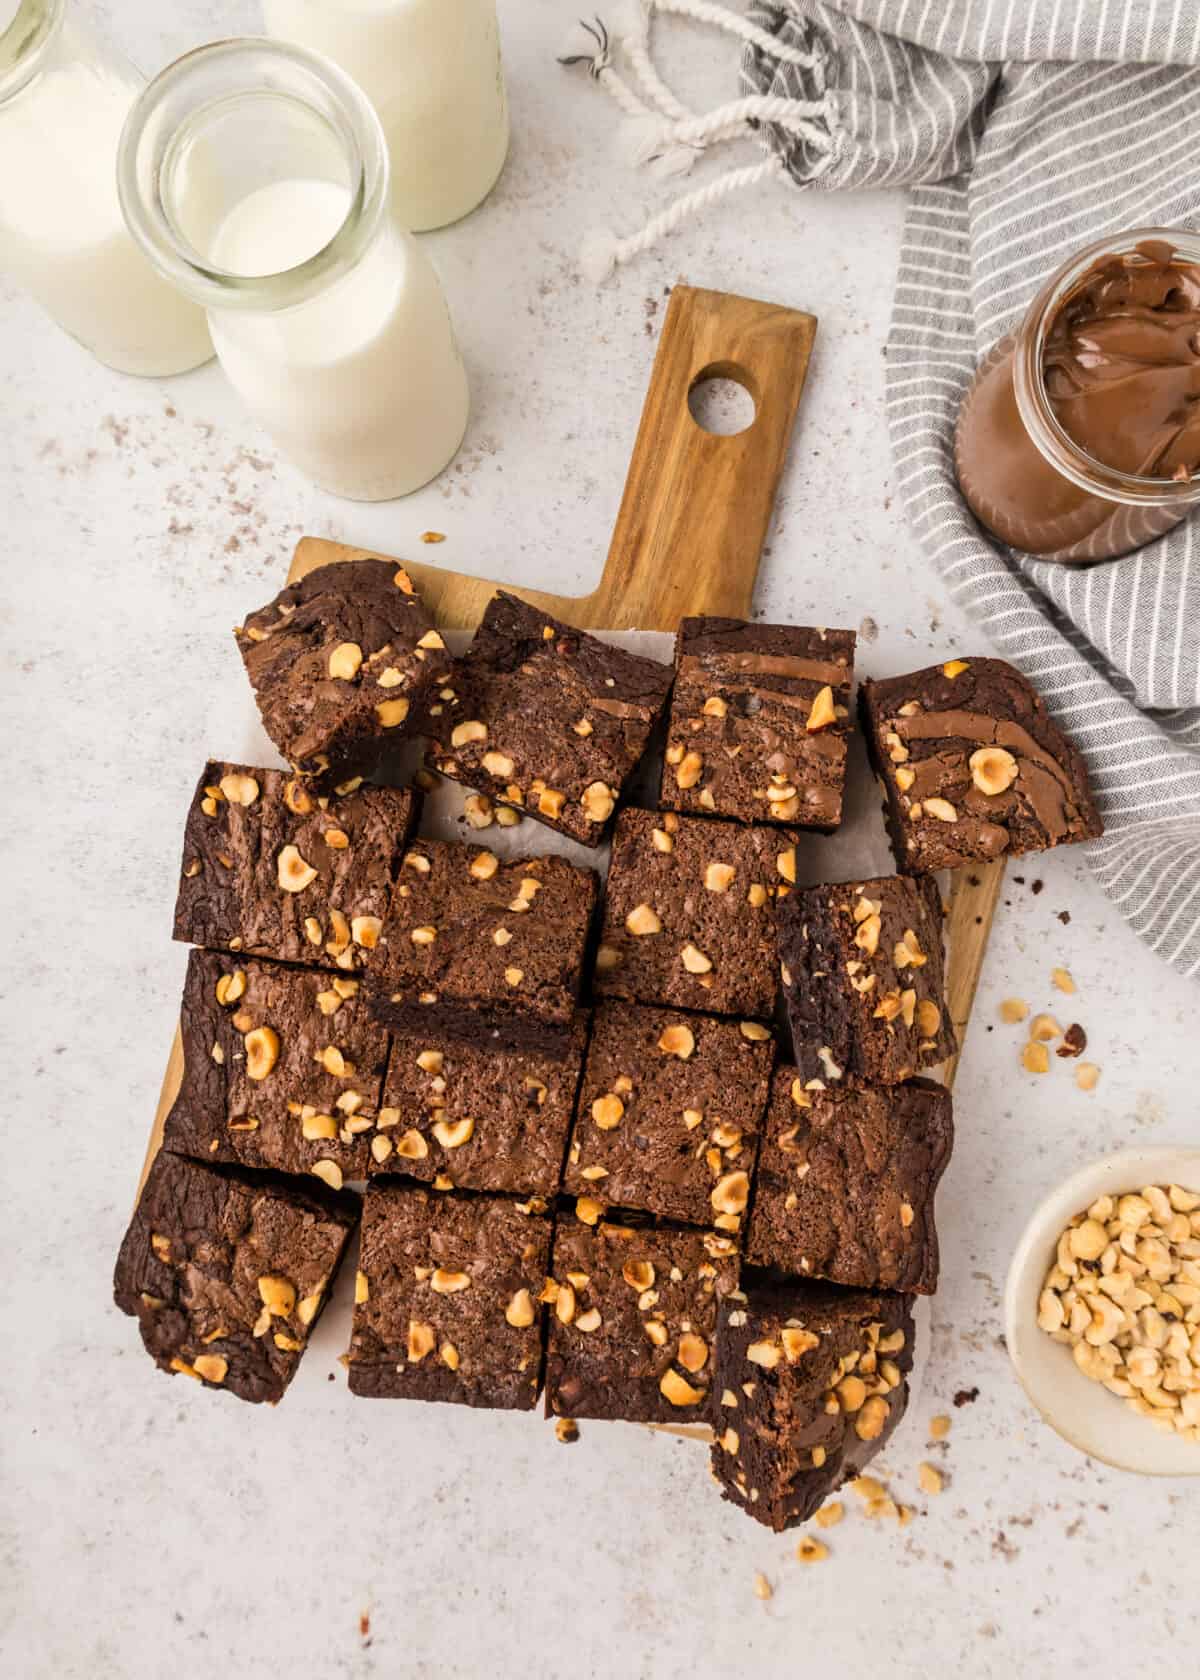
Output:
x=1122 y=363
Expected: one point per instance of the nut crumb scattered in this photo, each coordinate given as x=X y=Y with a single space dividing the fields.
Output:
x=762 y=1587
x=829 y=1516
x=433 y=536
x=939 y=1427
x=810 y=1550
x=1074 y=1041
x=1044 y=1029
x=1061 y=977
x=867 y=1487
x=567 y=1430
x=1087 y=1076
x=930 y=1479
x=1035 y=1058
x=1013 y=1010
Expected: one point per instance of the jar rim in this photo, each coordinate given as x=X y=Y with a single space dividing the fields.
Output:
x=1037 y=415
x=25 y=42
x=189 y=91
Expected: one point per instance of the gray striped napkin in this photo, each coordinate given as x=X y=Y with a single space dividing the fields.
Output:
x=1027 y=128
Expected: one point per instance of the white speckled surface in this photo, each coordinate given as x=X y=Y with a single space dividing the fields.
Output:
x=152 y=1528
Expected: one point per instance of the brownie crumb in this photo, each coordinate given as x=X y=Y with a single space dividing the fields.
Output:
x=1064 y=917
x=1036 y=887
x=966 y=1396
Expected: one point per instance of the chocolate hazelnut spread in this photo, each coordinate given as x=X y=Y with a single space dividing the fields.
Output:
x=1078 y=427
x=1122 y=363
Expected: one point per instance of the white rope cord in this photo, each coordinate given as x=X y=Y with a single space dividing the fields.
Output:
x=727 y=120
x=603 y=252
x=633 y=31
x=659 y=129
x=588 y=44
x=704 y=11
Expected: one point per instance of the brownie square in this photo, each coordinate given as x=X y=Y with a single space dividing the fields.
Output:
x=476 y=944
x=551 y=720
x=972 y=766
x=343 y=663
x=633 y=1321
x=227 y=1274
x=810 y=1383
x=282 y=1068
x=759 y=722
x=271 y=870
x=447 y=1299
x=467 y=1115
x=669 y=1114
x=862 y=971
x=846 y=1183
x=690 y=913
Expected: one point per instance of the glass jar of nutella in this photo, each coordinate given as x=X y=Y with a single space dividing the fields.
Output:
x=1079 y=438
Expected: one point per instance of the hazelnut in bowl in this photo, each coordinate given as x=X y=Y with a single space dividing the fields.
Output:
x=1102 y=1310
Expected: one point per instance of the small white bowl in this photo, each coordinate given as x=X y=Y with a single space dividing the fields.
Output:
x=1084 y=1412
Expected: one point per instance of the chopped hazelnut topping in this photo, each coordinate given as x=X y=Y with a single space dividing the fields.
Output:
x=643 y=920
x=294 y=873
x=993 y=770
x=345 y=661
x=822 y=713
x=677 y=1040
x=691 y=767
x=678 y=1391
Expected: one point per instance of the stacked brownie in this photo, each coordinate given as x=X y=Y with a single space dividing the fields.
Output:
x=586 y=1171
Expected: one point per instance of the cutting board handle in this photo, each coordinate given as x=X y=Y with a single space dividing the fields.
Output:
x=696 y=506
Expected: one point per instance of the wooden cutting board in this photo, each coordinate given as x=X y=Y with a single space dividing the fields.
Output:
x=688 y=539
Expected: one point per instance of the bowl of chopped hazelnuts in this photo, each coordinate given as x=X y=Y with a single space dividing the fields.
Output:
x=1102 y=1310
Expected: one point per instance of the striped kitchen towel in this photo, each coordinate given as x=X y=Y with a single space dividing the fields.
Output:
x=1025 y=128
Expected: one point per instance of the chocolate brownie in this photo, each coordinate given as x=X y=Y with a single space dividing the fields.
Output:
x=271 y=870
x=759 y=722
x=227 y=1273
x=343 y=663
x=690 y=913
x=477 y=1117
x=669 y=1114
x=472 y=943
x=551 y=720
x=633 y=1320
x=862 y=975
x=972 y=766
x=846 y=1182
x=282 y=1068
x=810 y=1382
x=447 y=1302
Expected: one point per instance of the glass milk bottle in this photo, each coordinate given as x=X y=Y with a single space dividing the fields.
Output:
x=64 y=95
x=256 y=176
x=433 y=71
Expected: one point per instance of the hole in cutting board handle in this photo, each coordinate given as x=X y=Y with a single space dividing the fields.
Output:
x=722 y=399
